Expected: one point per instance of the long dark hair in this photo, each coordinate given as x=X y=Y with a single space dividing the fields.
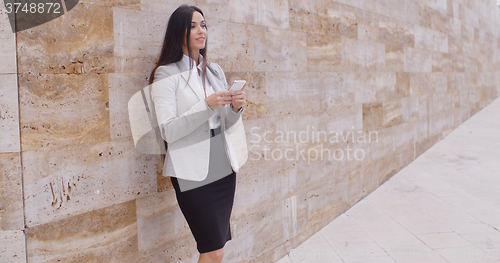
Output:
x=179 y=24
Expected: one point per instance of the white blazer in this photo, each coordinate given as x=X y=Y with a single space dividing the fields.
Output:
x=183 y=115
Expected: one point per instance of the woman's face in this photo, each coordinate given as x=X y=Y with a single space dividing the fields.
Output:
x=198 y=36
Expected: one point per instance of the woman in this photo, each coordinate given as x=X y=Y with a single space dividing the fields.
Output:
x=194 y=109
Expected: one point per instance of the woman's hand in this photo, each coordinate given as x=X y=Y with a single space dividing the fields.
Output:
x=219 y=99
x=239 y=99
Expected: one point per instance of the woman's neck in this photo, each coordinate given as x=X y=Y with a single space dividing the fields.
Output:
x=195 y=57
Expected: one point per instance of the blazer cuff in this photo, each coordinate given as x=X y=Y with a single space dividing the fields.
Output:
x=208 y=107
x=240 y=111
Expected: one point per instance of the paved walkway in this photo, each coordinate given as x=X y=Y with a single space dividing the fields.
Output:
x=443 y=207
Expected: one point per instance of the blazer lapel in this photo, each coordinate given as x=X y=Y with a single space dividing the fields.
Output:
x=214 y=78
x=192 y=80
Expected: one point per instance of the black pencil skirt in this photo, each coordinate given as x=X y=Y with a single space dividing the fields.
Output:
x=207 y=205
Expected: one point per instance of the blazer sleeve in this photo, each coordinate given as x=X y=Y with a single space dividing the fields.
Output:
x=163 y=93
x=231 y=116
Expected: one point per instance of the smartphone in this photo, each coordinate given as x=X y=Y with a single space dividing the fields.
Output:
x=237 y=85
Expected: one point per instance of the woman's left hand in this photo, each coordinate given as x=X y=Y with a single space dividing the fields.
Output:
x=239 y=99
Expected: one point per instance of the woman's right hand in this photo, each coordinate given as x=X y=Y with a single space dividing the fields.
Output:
x=219 y=99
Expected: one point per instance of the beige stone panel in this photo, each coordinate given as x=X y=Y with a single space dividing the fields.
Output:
x=298 y=214
x=370 y=86
x=372 y=116
x=440 y=123
x=387 y=167
x=456 y=26
x=292 y=93
x=160 y=224
x=353 y=55
x=391 y=8
x=361 y=4
x=251 y=239
x=11 y=192
x=12 y=247
x=121 y=88
x=441 y=62
x=131 y=4
x=368 y=32
x=270 y=13
x=417 y=60
x=345 y=20
x=439 y=5
x=7 y=44
x=402 y=84
x=61 y=109
x=182 y=251
x=413 y=107
x=324 y=53
x=413 y=11
x=261 y=171
x=231 y=46
x=85 y=35
x=279 y=50
x=454 y=46
x=83 y=177
x=255 y=92
x=375 y=56
x=334 y=92
x=343 y=118
x=421 y=133
x=9 y=114
x=435 y=20
x=421 y=84
x=103 y=235
x=402 y=136
x=362 y=181
x=428 y=39
x=362 y=55
x=394 y=57
x=213 y=10
x=471 y=17
x=392 y=113
x=315 y=17
x=138 y=36
x=440 y=81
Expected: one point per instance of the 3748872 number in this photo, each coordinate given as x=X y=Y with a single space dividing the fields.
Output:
x=33 y=8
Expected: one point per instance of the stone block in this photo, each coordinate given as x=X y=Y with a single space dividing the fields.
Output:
x=441 y=62
x=255 y=92
x=428 y=39
x=362 y=55
x=392 y=113
x=12 y=246
x=279 y=50
x=270 y=13
x=131 y=4
x=324 y=53
x=137 y=50
x=62 y=109
x=108 y=234
x=121 y=88
x=11 y=192
x=284 y=89
x=417 y=60
x=79 y=178
x=86 y=36
x=160 y=224
x=373 y=116
x=9 y=114
x=7 y=45
x=231 y=46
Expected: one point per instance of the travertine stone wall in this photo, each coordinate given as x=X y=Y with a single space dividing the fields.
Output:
x=74 y=189
x=12 y=241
